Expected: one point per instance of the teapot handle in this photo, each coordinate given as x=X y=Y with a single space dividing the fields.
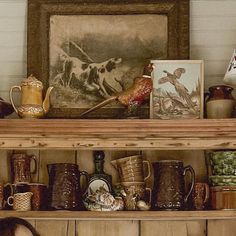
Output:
x=11 y=99
x=191 y=170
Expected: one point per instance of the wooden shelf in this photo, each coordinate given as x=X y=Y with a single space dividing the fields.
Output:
x=118 y=134
x=122 y=215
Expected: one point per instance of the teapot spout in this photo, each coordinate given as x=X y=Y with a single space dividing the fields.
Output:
x=46 y=102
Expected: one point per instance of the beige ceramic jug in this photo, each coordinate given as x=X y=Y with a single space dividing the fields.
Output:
x=32 y=104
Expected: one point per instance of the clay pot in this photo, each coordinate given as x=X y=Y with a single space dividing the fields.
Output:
x=219 y=102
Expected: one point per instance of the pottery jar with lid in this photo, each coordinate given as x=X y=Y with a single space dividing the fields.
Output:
x=32 y=104
x=219 y=102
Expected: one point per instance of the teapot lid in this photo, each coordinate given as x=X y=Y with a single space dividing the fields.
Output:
x=32 y=81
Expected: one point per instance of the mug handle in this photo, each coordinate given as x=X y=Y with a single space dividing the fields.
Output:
x=33 y=157
x=148 y=168
x=8 y=200
x=150 y=194
x=191 y=170
x=11 y=98
x=87 y=179
x=114 y=164
x=207 y=195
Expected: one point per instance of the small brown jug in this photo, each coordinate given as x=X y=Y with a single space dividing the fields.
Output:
x=21 y=167
x=64 y=186
x=32 y=104
x=169 y=185
x=219 y=102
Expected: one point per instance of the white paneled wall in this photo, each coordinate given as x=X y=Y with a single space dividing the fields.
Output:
x=212 y=38
x=12 y=43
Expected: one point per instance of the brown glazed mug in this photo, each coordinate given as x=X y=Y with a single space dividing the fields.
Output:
x=130 y=168
x=11 y=189
x=64 y=192
x=169 y=185
x=200 y=196
x=39 y=198
x=21 y=167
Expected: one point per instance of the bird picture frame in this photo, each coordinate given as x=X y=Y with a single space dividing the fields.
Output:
x=178 y=87
x=90 y=50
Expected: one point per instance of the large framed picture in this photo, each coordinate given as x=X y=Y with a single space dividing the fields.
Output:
x=91 y=50
x=177 y=89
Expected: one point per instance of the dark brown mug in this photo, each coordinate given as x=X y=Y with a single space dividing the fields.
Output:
x=11 y=189
x=64 y=186
x=39 y=198
x=169 y=185
x=21 y=167
x=200 y=196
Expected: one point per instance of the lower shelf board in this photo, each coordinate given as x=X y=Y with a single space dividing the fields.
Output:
x=122 y=215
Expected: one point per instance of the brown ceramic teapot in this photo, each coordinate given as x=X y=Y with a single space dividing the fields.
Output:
x=32 y=104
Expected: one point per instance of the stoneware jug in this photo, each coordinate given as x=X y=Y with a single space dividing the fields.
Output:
x=32 y=104
x=219 y=102
x=64 y=186
x=169 y=185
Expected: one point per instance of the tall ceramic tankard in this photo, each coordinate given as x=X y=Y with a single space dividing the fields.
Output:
x=169 y=185
x=64 y=186
x=32 y=104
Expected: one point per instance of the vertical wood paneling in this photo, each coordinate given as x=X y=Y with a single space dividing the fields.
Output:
x=4 y=166
x=173 y=228
x=55 y=228
x=108 y=228
x=221 y=228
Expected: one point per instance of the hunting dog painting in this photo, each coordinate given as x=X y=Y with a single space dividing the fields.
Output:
x=93 y=57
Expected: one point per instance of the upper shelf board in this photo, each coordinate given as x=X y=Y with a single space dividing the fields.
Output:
x=118 y=134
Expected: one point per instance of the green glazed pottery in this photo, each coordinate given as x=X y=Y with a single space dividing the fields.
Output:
x=223 y=162
x=221 y=180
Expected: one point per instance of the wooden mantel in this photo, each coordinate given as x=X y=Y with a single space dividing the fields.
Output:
x=118 y=134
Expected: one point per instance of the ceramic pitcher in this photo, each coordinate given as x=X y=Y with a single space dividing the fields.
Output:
x=169 y=185
x=32 y=103
x=64 y=186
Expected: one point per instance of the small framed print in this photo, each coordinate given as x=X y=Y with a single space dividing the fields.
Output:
x=177 y=89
